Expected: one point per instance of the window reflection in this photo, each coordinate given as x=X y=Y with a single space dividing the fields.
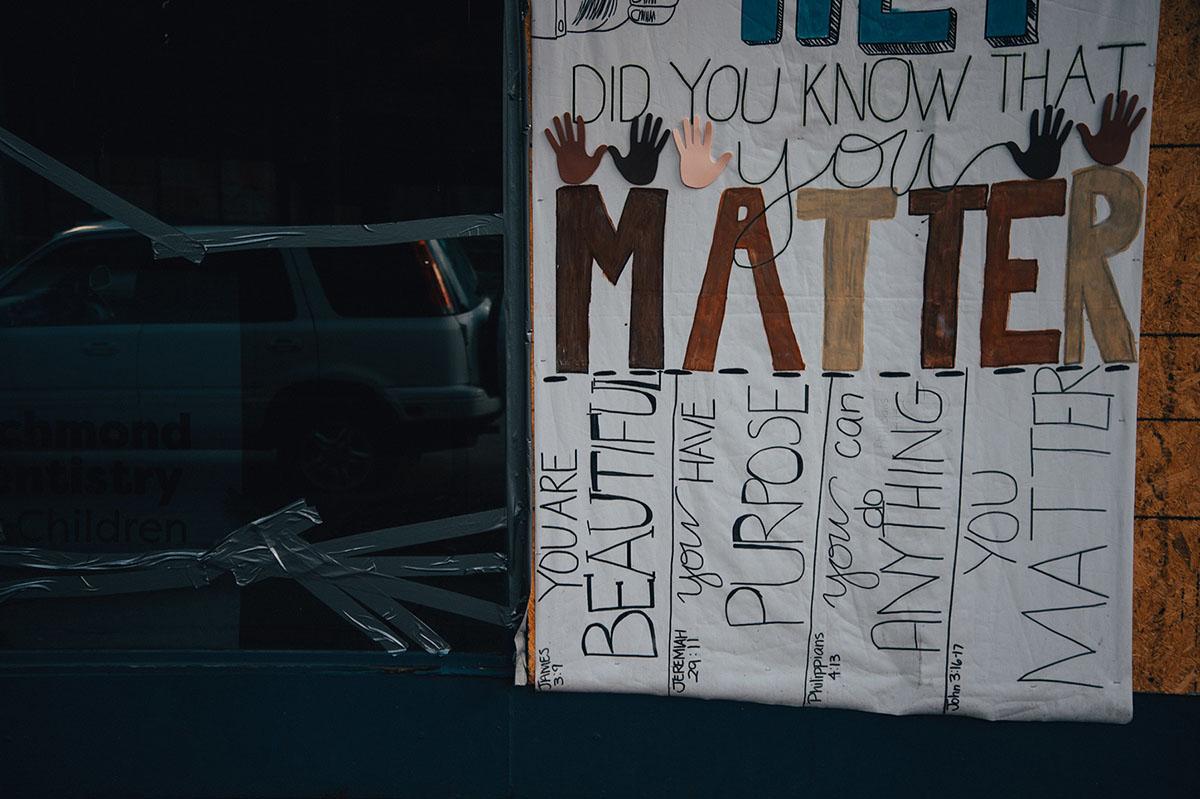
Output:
x=148 y=405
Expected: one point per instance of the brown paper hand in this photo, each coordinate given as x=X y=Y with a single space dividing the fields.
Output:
x=574 y=163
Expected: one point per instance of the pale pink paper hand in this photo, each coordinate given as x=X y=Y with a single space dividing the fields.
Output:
x=697 y=168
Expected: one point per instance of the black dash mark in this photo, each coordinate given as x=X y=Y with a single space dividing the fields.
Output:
x=606 y=373
x=676 y=372
x=948 y=373
x=1117 y=367
x=555 y=379
x=962 y=451
x=894 y=374
x=789 y=374
x=643 y=372
x=812 y=596
x=836 y=374
x=1070 y=367
x=732 y=371
x=1009 y=370
x=674 y=500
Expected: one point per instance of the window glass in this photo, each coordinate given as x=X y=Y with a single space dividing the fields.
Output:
x=76 y=283
x=246 y=286
x=387 y=282
x=265 y=291
x=207 y=112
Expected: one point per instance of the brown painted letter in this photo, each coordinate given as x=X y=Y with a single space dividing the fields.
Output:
x=847 y=214
x=939 y=312
x=1004 y=276
x=742 y=214
x=1089 y=244
x=585 y=233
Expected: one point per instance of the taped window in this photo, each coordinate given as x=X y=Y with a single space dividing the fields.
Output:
x=255 y=389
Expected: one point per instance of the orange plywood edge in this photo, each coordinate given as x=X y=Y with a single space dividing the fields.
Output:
x=1166 y=601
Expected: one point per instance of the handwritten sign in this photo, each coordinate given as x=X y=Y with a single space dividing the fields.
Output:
x=835 y=353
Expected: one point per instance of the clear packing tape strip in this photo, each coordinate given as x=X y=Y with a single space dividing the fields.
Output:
x=350 y=575
x=170 y=242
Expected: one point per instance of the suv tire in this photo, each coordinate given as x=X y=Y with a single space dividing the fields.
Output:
x=336 y=447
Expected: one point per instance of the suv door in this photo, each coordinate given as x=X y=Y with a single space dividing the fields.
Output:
x=219 y=339
x=68 y=404
x=68 y=344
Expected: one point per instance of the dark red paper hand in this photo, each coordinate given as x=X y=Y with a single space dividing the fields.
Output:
x=1110 y=144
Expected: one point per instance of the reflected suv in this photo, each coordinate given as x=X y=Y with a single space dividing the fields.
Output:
x=342 y=360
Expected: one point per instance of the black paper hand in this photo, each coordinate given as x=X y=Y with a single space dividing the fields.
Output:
x=1040 y=160
x=641 y=164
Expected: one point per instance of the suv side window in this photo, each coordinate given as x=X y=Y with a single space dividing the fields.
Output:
x=77 y=283
x=388 y=282
x=246 y=286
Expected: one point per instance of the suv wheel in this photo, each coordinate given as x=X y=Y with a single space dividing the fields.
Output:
x=335 y=449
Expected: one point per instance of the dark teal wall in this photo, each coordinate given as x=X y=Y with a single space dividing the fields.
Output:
x=279 y=731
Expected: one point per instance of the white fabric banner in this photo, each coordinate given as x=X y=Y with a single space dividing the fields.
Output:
x=835 y=350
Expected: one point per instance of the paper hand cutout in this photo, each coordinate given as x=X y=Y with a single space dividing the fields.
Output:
x=574 y=164
x=640 y=165
x=553 y=19
x=696 y=166
x=1040 y=160
x=1110 y=144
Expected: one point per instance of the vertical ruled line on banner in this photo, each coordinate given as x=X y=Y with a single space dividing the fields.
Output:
x=962 y=458
x=812 y=598
x=671 y=558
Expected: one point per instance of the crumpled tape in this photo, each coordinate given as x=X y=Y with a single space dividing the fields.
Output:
x=346 y=574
